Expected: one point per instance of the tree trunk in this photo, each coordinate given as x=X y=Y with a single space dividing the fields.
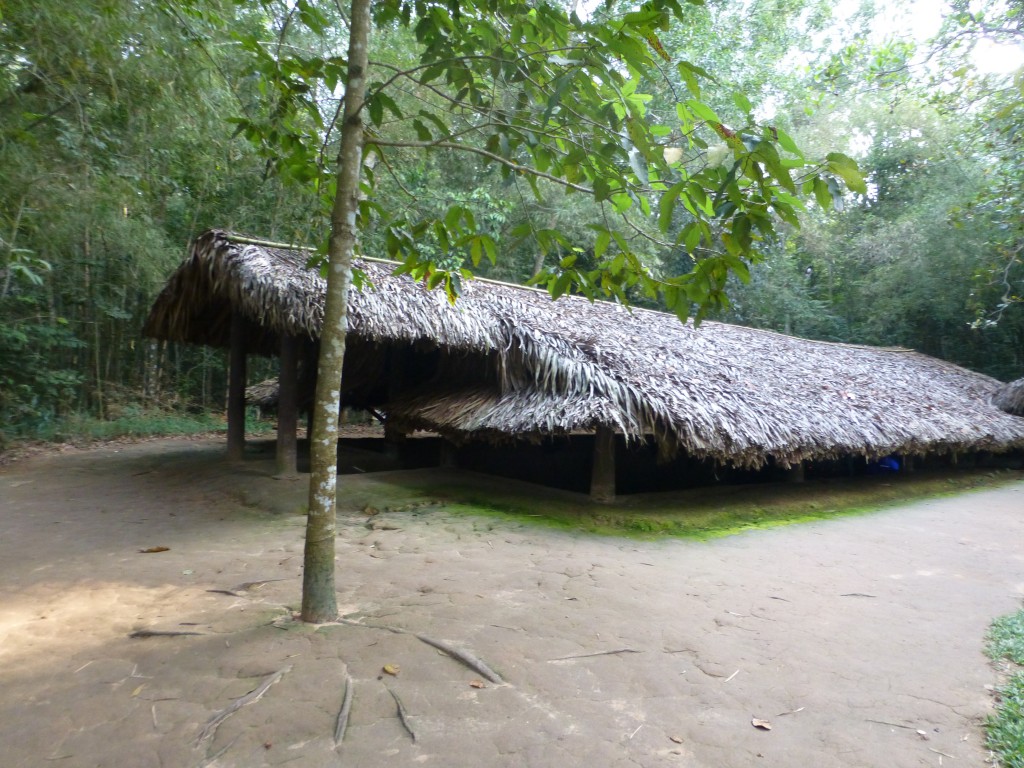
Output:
x=319 y=601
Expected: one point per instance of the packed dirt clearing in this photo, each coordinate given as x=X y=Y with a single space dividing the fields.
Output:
x=147 y=591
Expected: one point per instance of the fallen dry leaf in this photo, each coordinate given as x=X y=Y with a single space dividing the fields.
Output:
x=392 y=669
x=764 y=725
x=477 y=684
x=150 y=550
x=676 y=739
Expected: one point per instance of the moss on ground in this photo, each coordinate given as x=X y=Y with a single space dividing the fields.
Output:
x=699 y=513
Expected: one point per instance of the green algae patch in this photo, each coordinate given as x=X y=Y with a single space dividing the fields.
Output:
x=699 y=514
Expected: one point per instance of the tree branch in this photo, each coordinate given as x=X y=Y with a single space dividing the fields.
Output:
x=524 y=169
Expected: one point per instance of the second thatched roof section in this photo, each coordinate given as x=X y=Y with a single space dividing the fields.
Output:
x=1010 y=397
x=516 y=363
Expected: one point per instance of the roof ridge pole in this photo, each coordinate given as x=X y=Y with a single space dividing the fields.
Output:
x=287 y=411
x=602 y=478
x=236 y=388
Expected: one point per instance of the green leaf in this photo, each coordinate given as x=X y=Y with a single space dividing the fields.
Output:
x=822 y=193
x=375 y=111
x=703 y=111
x=787 y=143
x=436 y=278
x=561 y=285
x=686 y=72
x=622 y=202
x=742 y=102
x=837 y=193
x=667 y=205
x=422 y=132
x=692 y=238
x=847 y=169
x=490 y=248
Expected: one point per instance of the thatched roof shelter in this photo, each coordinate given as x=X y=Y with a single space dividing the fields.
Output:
x=507 y=361
x=263 y=395
x=1010 y=397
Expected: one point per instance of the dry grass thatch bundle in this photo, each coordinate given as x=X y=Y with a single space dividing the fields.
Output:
x=263 y=395
x=509 y=361
x=1010 y=397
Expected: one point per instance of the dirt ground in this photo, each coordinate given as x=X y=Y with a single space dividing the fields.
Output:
x=858 y=639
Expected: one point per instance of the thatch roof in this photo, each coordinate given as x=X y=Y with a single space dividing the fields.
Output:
x=510 y=361
x=263 y=394
x=1010 y=397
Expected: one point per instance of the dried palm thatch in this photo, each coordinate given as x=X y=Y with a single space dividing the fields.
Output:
x=263 y=395
x=509 y=361
x=1010 y=397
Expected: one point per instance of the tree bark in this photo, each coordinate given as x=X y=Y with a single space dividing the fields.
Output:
x=319 y=601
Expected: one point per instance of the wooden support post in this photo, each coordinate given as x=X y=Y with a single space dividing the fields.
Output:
x=236 y=389
x=796 y=472
x=310 y=364
x=287 y=407
x=395 y=435
x=449 y=455
x=908 y=463
x=602 y=479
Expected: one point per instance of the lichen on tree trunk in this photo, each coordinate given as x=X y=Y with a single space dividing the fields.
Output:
x=319 y=601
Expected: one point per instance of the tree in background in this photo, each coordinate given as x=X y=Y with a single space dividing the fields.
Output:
x=926 y=257
x=990 y=107
x=113 y=153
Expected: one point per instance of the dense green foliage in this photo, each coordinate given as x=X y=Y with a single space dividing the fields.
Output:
x=128 y=127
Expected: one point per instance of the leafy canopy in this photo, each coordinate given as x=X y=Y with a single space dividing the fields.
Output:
x=538 y=94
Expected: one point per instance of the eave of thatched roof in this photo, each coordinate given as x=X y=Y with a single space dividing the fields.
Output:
x=1010 y=397
x=263 y=394
x=736 y=394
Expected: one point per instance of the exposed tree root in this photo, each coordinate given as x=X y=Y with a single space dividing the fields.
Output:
x=467 y=659
x=216 y=755
x=210 y=729
x=403 y=715
x=246 y=589
x=346 y=708
x=463 y=657
x=143 y=633
x=599 y=653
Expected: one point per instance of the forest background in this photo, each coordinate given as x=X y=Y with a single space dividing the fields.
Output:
x=119 y=142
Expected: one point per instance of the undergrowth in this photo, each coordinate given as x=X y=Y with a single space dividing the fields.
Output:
x=131 y=421
x=1006 y=726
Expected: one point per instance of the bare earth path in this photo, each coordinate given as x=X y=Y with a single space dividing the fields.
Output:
x=859 y=639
